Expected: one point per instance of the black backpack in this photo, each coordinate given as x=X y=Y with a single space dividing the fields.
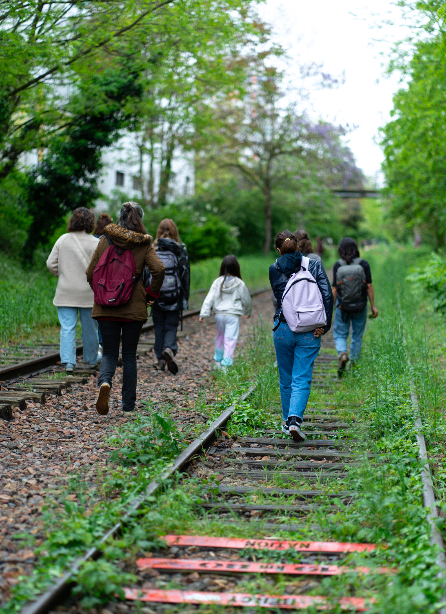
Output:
x=171 y=289
x=351 y=286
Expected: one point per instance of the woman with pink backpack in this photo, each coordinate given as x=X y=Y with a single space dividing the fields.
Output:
x=303 y=314
x=115 y=274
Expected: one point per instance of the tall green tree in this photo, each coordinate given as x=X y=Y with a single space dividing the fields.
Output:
x=181 y=82
x=48 y=47
x=66 y=177
x=414 y=140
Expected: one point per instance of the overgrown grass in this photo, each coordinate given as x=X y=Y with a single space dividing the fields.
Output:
x=76 y=518
x=26 y=300
x=254 y=271
x=27 y=312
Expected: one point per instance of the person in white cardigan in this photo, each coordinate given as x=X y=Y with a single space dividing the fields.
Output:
x=68 y=261
x=229 y=298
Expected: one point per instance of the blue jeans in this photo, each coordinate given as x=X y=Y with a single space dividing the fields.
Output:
x=296 y=353
x=68 y=321
x=341 y=330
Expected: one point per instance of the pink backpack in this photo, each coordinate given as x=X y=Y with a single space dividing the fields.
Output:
x=114 y=277
x=302 y=304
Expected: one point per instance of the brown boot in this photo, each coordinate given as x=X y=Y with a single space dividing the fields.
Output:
x=160 y=365
x=169 y=356
x=102 y=404
x=342 y=361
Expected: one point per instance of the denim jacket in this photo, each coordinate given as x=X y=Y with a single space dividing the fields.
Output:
x=285 y=266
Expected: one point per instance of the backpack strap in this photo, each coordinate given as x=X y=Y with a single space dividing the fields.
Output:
x=81 y=249
x=119 y=250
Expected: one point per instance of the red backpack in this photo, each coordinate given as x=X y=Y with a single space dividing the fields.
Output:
x=114 y=277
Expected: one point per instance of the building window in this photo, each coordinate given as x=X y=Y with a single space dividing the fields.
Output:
x=119 y=178
x=136 y=182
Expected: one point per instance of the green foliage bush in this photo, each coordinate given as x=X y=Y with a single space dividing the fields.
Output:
x=205 y=234
x=14 y=220
x=430 y=277
x=214 y=238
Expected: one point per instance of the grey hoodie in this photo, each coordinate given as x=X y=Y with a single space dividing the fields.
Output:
x=230 y=298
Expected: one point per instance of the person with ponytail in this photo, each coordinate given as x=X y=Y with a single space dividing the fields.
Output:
x=126 y=319
x=295 y=351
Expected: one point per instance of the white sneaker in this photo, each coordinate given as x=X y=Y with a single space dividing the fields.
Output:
x=97 y=361
x=217 y=365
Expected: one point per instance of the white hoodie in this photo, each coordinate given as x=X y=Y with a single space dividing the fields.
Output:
x=233 y=299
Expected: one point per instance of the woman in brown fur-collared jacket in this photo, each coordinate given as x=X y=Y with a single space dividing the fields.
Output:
x=128 y=233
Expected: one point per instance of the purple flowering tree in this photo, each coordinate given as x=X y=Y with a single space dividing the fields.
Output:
x=276 y=146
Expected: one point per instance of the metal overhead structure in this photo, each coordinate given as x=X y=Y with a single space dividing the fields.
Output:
x=357 y=193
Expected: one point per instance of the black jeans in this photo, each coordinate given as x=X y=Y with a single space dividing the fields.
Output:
x=111 y=337
x=165 y=324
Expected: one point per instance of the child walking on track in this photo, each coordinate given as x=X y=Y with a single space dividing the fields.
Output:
x=229 y=298
x=303 y=314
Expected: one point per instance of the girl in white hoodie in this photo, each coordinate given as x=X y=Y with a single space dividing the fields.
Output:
x=229 y=298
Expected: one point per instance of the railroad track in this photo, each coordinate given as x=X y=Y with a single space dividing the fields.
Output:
x=269 y=490
x=262 y=484
x=22 y=359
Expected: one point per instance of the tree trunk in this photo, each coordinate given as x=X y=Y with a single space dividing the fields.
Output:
x=141 y=149
x=166 y=173
x=268 y=216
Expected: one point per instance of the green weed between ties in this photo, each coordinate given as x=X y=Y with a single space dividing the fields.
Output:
x=147 y=439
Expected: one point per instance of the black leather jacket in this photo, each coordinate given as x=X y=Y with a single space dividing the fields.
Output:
x=285 y=266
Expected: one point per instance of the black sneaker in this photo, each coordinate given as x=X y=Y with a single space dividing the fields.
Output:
x=294 y=428
x=286 y=428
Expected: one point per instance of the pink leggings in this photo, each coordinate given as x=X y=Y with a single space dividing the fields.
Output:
x=227 y=335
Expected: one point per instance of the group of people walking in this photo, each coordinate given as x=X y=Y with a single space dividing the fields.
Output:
x=110 y=278
x=109 y=274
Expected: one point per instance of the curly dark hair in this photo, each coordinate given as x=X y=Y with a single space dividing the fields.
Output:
x=348 y=249
x=82 y=219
